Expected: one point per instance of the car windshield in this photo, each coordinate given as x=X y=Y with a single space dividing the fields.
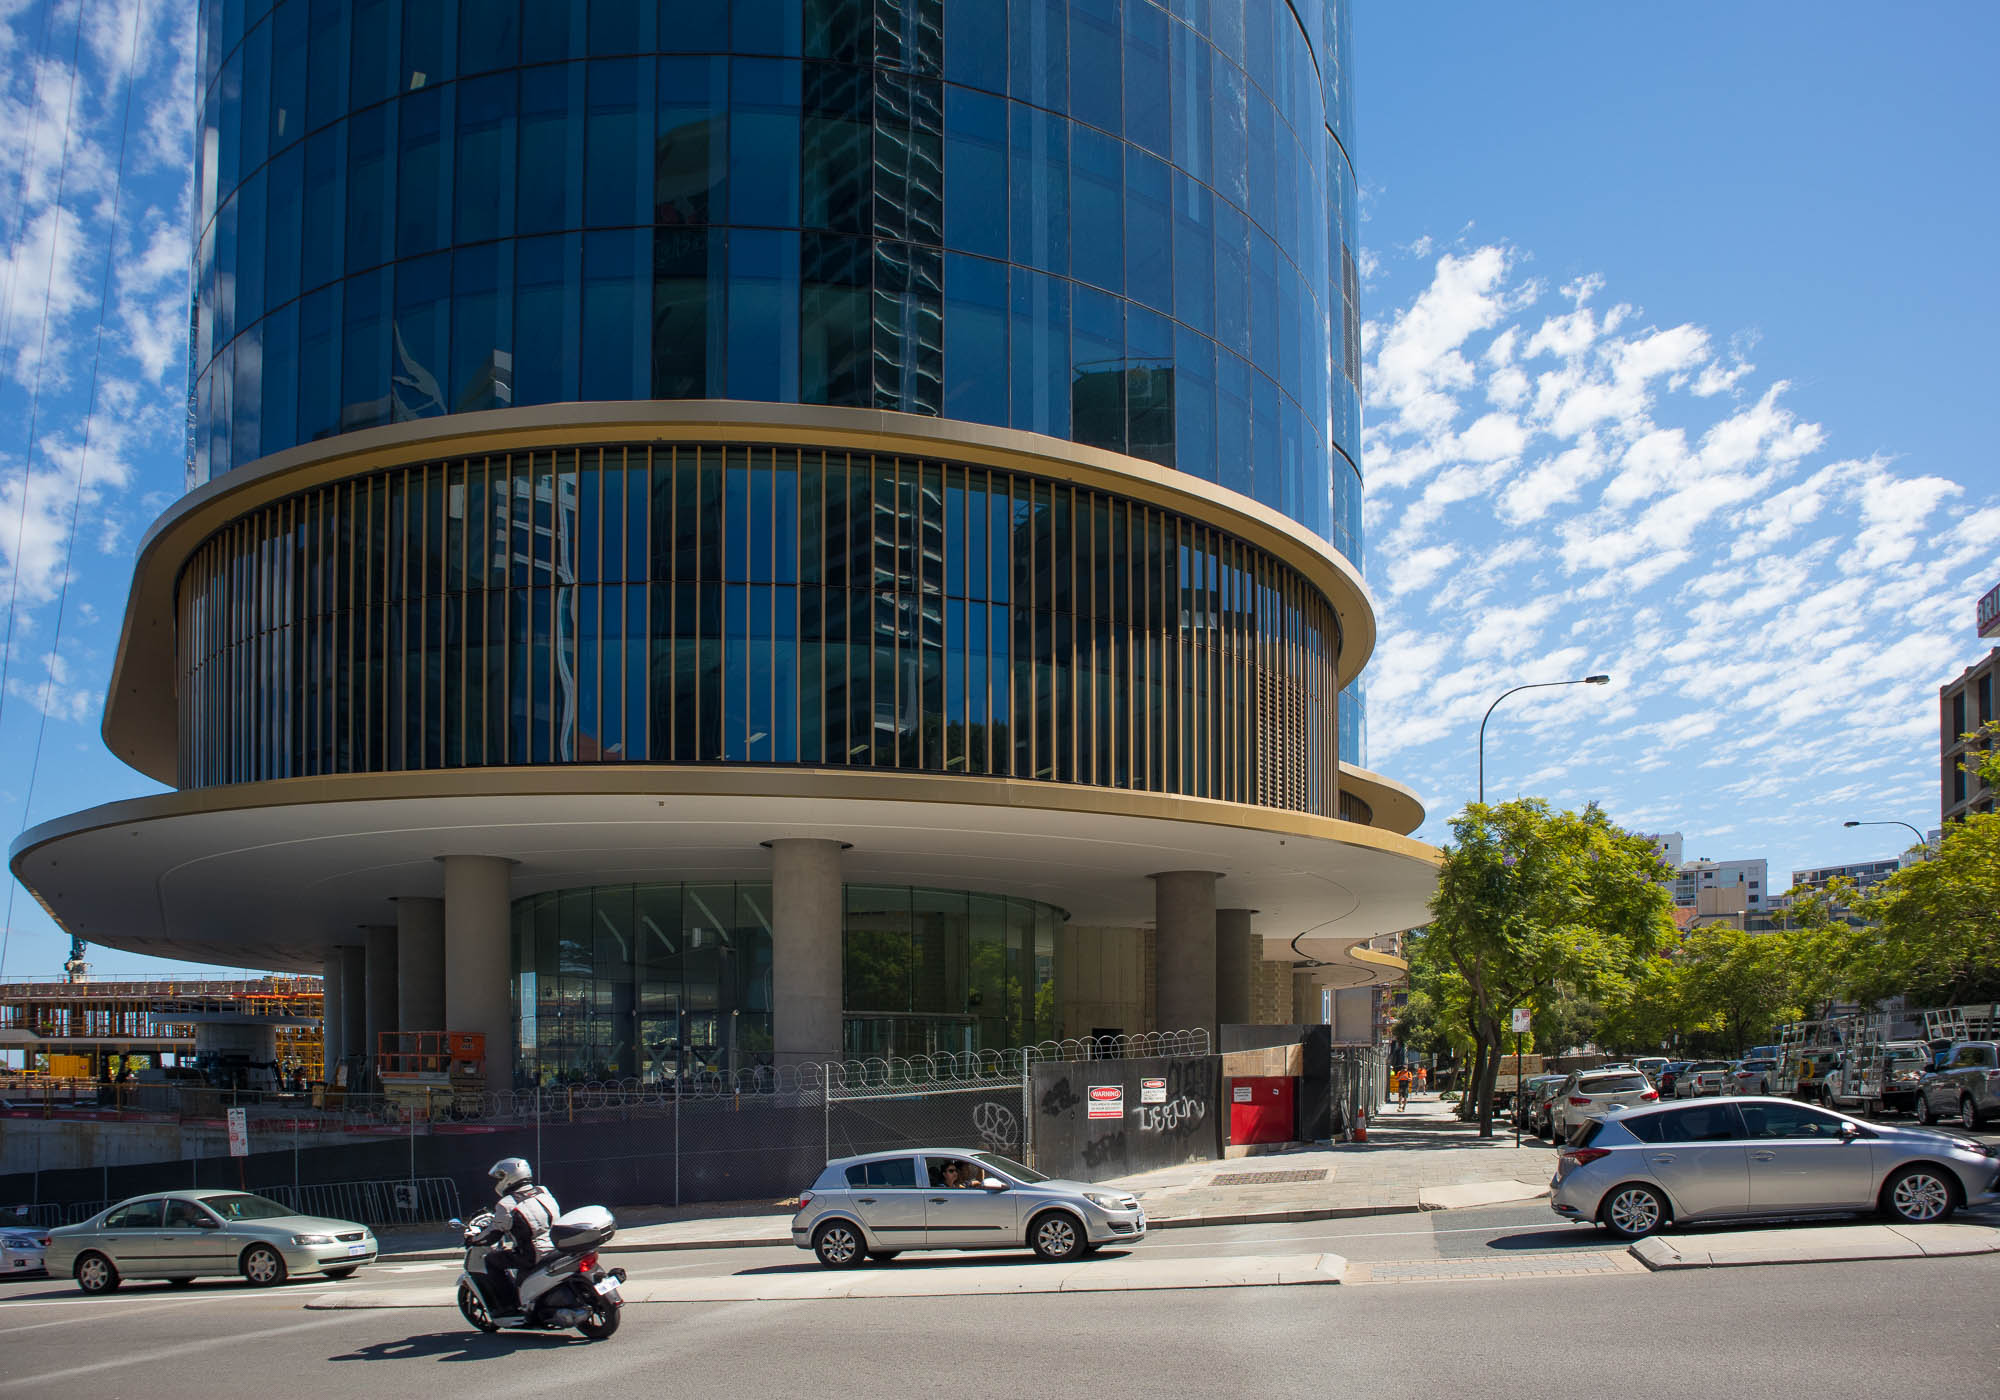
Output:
x=1614 y=1084
x=1006 y=1166
x=243 y=1206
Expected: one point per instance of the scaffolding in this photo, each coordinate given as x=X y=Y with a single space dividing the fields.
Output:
x=88 y=1031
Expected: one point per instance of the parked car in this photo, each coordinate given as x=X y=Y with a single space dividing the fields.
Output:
x=1651 y=1065
x=23 y=1250
x=182 y=1235
x=1535 y=1096
x=1594 y=1093
x=1669 y=1072
x=1752 y=1076
x=1760 y=1156
x=878 y=1205
x=1966 y=1087
x=1701 y=1077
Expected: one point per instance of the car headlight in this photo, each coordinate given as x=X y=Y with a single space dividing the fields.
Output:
x=1109 y=1202
x=312 y=1239
x=13 y=1241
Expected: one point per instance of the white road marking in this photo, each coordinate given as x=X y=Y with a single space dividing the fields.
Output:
x=1373 y=1235
x=158 y=1354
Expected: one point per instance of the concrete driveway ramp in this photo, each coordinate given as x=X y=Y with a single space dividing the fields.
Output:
x=1825 y=1244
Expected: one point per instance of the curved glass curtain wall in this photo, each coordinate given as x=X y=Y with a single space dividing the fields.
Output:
x=671 y=982
x=752 y=605
x=1120 y=222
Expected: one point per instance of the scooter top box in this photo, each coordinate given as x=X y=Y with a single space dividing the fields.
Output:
x=582 y=1228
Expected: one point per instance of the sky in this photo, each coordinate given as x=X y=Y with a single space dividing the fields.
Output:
x=1678 y=340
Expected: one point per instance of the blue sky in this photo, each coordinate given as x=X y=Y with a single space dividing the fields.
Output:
x=1679 y=355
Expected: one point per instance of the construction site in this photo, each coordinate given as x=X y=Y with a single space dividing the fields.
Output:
x=72 y=1038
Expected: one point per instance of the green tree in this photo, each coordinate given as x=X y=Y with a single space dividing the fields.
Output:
x=1736 y=986
x=1532 y=900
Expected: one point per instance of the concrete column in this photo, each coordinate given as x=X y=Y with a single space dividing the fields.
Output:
x=420 y=965
x=1306 y=1010
x=1184 y=922
x=1236 y=955
x=1354 y=1015
x=806 y=923
x=378 y=942
x=353 y=1011
x=330 y=1012
x=479 y=964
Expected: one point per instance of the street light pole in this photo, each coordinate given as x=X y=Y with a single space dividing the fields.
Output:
x=1922 y=840
x=1533 y=685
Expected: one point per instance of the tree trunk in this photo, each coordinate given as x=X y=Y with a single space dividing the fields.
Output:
x=1468 y=1099
x=1491 y=1079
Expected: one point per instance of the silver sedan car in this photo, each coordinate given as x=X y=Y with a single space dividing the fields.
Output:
x=1735 y=1158
x=22 y=1250
x=881 y=1204
x=182 y=1235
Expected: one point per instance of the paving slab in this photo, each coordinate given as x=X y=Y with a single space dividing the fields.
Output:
x=807 y=1282
x=1814 y=1245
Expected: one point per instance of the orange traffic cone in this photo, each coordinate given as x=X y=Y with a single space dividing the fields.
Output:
x=1361 y=1125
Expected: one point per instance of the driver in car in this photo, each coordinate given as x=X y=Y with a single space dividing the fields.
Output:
x=957 y=1174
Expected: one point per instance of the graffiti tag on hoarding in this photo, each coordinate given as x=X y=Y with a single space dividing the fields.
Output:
x=995 y=1124
x=1184 y=1112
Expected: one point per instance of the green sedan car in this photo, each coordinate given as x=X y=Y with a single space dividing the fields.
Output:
x=183 y=1235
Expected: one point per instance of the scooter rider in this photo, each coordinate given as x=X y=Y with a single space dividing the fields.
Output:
x=522 y=1217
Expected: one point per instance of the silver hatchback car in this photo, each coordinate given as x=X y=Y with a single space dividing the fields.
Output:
x=182 y=1235
x=878 y=1205
x=1733 y=1158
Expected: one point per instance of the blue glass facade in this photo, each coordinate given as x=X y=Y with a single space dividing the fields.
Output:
x=1120 y=222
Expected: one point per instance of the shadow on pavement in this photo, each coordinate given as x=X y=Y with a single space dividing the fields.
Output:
x=462 y=1346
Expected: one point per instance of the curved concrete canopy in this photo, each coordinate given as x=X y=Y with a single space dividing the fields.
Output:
x=1396 y=807
x=271 y=874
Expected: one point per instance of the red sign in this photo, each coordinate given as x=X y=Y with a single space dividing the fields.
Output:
x=1107 y=1101
x=1989 y=614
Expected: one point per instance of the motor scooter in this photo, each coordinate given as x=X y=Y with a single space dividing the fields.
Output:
x=567 y=1289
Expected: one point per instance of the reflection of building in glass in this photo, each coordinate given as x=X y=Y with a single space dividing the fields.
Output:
x=723 y=534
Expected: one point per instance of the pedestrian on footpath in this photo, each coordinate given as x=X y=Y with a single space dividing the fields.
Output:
x=1402 y=1089
x=1423 y=1078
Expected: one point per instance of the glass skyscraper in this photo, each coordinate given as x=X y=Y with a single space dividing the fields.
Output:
x=950 y=404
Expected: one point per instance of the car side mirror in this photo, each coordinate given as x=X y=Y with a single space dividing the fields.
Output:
x=1849 y=1131
x=208 y=1223
x=994 y=1183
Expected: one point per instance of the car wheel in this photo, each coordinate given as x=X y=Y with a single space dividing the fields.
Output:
x=474 y=1308
x=1968 y=1114
x=1632 y=1212
x=1924 y=1109
x=94 y=1274
x=1919 y=1195
x=838 y=1245
x=262 y=1266
x=1056 y=1237
x=347 y=1272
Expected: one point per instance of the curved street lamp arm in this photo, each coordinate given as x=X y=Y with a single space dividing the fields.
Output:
x=1532 y=685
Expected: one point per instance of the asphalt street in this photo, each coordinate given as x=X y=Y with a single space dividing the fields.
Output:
x=1763 y=1331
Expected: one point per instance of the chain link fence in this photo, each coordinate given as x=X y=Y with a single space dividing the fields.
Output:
x=762 y=1134
x=1360 y=1085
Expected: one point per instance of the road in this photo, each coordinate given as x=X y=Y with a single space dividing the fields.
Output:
x=1826 y=1329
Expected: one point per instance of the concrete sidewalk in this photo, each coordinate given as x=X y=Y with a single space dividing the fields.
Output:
x=1423 y=1159
x=1829 y=1244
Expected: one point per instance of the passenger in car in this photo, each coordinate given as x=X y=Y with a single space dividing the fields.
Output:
x=957 y=1174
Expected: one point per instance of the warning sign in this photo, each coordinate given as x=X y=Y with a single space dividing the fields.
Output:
x=1239 y=1093
x=1152 y=1091
x=1107 y=1101
x=239 y=1132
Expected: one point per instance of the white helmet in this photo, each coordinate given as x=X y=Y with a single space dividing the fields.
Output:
x=509 y=1173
